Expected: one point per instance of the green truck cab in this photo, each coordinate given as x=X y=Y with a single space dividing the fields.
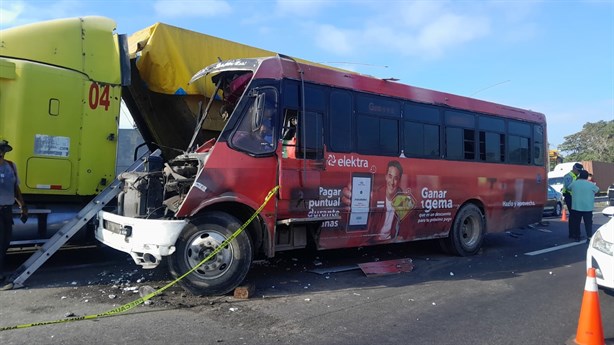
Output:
x=60 y=95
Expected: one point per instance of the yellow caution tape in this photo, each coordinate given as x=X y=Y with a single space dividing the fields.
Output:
x=135 y=303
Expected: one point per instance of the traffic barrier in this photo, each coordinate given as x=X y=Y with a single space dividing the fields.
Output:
x=564 y=215
x=590 y=328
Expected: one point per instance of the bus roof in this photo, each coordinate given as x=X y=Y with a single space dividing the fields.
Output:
x=278 y=67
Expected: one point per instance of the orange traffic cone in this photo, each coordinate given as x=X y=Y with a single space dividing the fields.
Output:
x=590 y=329
x=564 y=215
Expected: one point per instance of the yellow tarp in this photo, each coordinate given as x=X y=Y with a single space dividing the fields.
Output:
x=170 y=56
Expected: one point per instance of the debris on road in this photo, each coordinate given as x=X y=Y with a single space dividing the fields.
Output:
x=379 y=268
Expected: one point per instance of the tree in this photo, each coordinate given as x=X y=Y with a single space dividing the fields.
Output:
x=595 y=142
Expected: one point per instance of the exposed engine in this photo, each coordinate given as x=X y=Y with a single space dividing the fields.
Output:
x=159 y=190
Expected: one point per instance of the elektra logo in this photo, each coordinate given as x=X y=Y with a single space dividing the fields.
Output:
x=349 y=162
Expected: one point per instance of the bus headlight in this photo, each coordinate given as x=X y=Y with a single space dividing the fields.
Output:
x=602 y=245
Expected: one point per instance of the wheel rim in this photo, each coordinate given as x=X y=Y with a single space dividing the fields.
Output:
x=201 y=245
x=558 y=210
x=470 y=231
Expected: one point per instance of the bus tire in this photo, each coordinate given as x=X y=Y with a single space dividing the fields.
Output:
x=223 y=272
x=467 y=231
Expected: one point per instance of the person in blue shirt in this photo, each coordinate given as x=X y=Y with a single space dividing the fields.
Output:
x=567 y=180
x=582 y=205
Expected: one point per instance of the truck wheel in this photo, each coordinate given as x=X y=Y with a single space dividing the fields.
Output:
x=223 y=272
x=467 y=231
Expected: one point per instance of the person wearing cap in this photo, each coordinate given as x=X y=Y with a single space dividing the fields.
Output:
x=9 y=193
x=567 y=180
x=582 y=206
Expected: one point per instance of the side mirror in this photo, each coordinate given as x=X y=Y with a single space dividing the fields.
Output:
x=259 y=112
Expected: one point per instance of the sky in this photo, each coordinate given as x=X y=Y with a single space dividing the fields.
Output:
x=555 y=57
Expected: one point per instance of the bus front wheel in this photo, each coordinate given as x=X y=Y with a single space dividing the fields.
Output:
x=225 y=270
x=467 y=231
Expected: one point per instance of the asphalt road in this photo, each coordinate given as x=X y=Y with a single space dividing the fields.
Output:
x=501 y=296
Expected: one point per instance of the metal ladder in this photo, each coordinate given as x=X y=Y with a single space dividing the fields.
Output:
x=53 y=244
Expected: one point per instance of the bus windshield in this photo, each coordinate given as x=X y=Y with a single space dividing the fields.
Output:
x=256 y=130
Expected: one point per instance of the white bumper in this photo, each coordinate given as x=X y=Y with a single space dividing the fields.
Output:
x=146 y=240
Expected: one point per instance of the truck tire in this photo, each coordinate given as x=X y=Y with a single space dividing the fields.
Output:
x=223 y=272
x=467 y=231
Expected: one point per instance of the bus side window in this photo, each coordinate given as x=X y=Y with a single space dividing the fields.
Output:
x=538 y=145
x=289 y=126
x=491 y=139
x=311 y=136
x=460 y=135
x=288 y=134
x=519 y=140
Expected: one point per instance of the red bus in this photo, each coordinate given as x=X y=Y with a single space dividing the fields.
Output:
x=358 y=160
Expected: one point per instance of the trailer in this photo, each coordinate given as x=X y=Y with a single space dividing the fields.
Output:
x=602 y=173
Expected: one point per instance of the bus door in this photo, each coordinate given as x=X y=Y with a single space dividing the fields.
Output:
x=301 y=163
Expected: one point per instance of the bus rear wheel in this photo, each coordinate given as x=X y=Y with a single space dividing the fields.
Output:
x=467 y=232
x=225 y=270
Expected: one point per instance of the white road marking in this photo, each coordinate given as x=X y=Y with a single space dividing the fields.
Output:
x=551 y=249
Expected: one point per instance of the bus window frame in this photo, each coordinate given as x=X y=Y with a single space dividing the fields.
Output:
x=536 y=148
x=518 y=130
x=454 y=120
x=424 y=115
x=336 y=96
x=438 y=116
x=308 y=119
x=491 y=125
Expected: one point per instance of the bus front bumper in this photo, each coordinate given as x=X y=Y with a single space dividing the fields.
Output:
x=146 y=240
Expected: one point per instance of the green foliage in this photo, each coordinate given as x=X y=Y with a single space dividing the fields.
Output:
x=595 y=142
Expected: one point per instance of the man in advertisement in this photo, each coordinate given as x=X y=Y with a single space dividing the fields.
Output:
x=389 y=205
x=386 y=223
